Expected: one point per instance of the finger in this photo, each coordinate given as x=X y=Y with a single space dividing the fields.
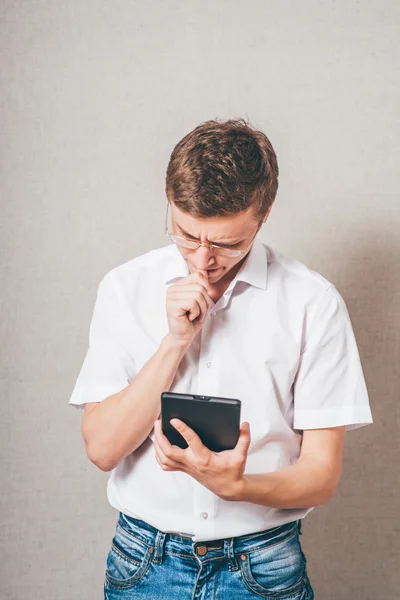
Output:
x=190 y=287
x=165 y=463
x=189 y=291
x=210 y=301
x=190 y=436
x=196 y=278
x=244 y=440
x=201 y=300
x=203 y=279
x=201 y=304
x=204 y=273
x=175 y=293
x=195 y=310
x=193 y=302
x=193 y=287
x=182 y=307
x=173 y=453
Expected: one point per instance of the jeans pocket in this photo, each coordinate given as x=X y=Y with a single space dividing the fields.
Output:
x=276 y=571
x=128 y=560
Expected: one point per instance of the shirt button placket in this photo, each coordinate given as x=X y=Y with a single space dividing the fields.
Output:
x=207 y=385
x=204 y=510
x=208 y=382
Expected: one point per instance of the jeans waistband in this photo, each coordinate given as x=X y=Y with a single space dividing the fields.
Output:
x=154 y=537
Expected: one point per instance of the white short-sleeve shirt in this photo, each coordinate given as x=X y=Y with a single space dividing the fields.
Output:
x=279 y=339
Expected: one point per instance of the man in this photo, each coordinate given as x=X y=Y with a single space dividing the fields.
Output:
x=220 y=313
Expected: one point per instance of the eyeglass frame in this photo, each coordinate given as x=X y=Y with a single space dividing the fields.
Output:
x=199 y=244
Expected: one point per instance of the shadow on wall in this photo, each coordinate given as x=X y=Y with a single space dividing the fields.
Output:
x=352 y=539
x=368 y=277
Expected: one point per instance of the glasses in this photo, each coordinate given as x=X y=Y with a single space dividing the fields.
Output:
x=192 y=245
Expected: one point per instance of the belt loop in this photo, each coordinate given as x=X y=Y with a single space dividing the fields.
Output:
x=230 y=553
x=159 y=547
x=299 y=526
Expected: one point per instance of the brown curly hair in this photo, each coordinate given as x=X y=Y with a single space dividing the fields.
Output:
x=221 y=168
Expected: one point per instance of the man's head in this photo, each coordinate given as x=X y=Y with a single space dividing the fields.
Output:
x=222 y=179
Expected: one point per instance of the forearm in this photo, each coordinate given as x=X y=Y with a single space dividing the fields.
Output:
x=120 y=423
x=301 y=485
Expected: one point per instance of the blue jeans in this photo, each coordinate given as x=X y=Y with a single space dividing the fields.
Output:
x=144 y=562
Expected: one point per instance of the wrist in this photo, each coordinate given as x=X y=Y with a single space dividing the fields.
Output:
x=237 y=492
x=174 y=344
x=241 y=491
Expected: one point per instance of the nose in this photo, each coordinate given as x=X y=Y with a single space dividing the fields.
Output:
x=202 y=258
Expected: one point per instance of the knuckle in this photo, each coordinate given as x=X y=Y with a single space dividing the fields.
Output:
x=203 y=463
x=169 y=455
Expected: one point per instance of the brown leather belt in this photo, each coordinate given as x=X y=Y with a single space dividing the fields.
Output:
x=185 y=536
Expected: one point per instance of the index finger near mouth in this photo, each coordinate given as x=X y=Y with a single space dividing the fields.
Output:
x=204 y=275
x=206 y=285
x=199 y=276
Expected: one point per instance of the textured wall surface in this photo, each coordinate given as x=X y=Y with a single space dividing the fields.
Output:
x=94 y=95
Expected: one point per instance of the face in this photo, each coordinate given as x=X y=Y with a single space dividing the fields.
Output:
x=233 y=231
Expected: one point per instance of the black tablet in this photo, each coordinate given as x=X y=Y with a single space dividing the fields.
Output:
x=216 y=420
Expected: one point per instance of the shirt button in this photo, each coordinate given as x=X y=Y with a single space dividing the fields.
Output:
x=204 y=515
x=208 y=365
x=213 y=314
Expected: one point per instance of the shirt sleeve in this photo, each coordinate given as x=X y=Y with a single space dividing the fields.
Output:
x=329 y=387
x=107 y=367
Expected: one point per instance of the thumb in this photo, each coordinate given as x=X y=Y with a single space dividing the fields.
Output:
x=244 y=437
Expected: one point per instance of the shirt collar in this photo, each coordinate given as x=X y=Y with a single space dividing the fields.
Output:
x=252 y=271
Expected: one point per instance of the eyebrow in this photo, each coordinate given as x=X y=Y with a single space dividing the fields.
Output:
x=220 y=243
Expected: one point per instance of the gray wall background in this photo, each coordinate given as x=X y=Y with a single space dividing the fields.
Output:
x=94 y=95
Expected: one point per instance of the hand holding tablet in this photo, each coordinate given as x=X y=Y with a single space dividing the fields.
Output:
x=216 y=420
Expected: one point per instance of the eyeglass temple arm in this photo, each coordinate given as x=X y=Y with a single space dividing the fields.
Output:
x=166 y=218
